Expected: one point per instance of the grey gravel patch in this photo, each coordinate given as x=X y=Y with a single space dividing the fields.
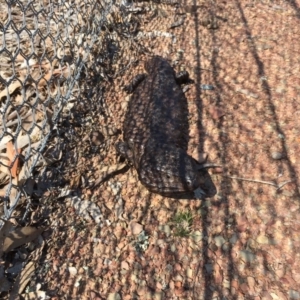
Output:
x=247 y=256
x=142 y=242
x=87 y=210
x=233 y=239
x=219 y=240
x=209 y=268
x=294 y=294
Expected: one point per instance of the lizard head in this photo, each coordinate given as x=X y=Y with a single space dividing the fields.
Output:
x=157 y=64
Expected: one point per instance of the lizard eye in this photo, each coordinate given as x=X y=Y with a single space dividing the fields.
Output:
x=189 y=181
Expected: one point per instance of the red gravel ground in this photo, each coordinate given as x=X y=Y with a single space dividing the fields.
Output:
x=243 y=243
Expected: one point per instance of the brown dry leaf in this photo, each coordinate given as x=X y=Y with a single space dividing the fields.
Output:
x=19 y=99
x=4 y=141
x=11 y=154
x=3 y=181
x=11 y=88
x=2 y=192
x=75 y=181
x=22 y=280
x=19 y=58
x=21 y=236
x=46 y=78
x=3 y=166
x=27 y=121
x=4 y=231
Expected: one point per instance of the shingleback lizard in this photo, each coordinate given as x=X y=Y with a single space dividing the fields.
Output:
x=155 y=132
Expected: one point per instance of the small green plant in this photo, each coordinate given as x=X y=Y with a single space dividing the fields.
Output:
x=142 y=242
x=183 y=224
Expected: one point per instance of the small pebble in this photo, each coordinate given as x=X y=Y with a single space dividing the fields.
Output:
x=247 y=256
x=233 y=239
x=114 y=296
x=136 y=228
x=262 y=239
x=189 y=273
x=294 y=294
x=177 y=267
x=276 y=155
x=209 y=268
x=207 y=87
x=219 y=240
x=226 y=247
x=72 y=271
x=173 y=248
x=197 y=236
x=178 y=278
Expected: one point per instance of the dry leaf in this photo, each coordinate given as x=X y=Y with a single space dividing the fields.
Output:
x=4 y=232
x=4 y=141
x=21 y=236
x=11 y=88
x=24 y=140
x=4 y=165
x=22 y=280
x=11 y=154
x=3 y=181
x=28 y=121
x=75 y=181
x=46 y=78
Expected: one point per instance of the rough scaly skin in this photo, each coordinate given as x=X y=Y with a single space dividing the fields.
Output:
x=155 y=133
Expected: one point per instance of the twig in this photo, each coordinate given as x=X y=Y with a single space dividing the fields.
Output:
x=207 y=166
x=107 y=172
x=208 y=70
x=10 y=123
x=278 y=186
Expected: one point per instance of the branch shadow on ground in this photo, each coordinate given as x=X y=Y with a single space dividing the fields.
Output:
x=210 y=285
